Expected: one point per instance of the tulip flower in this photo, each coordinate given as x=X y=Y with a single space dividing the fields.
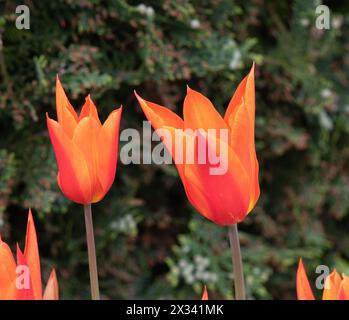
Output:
x=86 y=153
x=22 y=280
x=336 y=287
x=86 y=150
x=224 y=198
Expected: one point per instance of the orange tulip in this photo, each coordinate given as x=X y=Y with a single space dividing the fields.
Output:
x=22 y=280
x=205 y=294
x=86 y=150
x=336 y=288
x=226 y=198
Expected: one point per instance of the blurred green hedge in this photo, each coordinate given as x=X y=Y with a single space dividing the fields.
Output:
x=150 y=242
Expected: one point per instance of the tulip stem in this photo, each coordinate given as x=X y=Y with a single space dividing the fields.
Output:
x=237 y=262
x=92 y=261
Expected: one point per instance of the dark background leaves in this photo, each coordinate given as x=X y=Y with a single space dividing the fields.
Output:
x=150 y=242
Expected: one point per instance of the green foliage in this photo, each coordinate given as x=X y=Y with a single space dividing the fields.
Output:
x=150 y=242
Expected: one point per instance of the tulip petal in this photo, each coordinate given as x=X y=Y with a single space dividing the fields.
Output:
x=7 y=273
x=332 y=284
x=244 y=94
x=159 y=116
x=162 y=118
x=240 y=138
x=51 y=290
x=74 y=177
x=227 y=192
x=343 y=293
x=240 y=118
x=177 y=143
x=181 y=158
x=303 y=287
x=199 y=112
x=86 y=138
x=204 y=295
x=89 y=110
x=179 y=151
x=197 y=198
x=108 y=141
x=66 y=114
x=31 y=254
x=236 y=101
x=26 y=292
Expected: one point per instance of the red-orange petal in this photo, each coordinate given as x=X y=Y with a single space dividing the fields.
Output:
x=343 y=293
x=176 y=143
x=227 y=193
x=52 y=289
x=205 y=294
x=303 y=287
x=332 y=284
x=89 y=110
x=31 y=254
x=255 y=189
x=7 y=273
x=162 y=118
x=86 y=139
x=158 y=115
x=74 y=177
x=244 y=94
x=240 y=118
x=66 y=114
x=199 y=112
x=108 y=142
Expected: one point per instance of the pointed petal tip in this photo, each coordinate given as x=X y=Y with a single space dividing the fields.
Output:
x=18 y=249
x=139 y=98
x=118 y=110
x=192 y=92
x=189 y=90
x=300 y=265
x=30 y=216
x=52 y=290
x=205 y=294
x=252 y=68
x=303 y=288
x=49 y=121
x=142 y=103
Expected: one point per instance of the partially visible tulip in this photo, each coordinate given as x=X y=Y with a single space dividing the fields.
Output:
x=86 y=150
x=225 y=198
x=336 y=287
x=205 y=294
x=28 y=265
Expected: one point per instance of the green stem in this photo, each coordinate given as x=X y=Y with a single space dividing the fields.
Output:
x=237 y=262
x=92 y=261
